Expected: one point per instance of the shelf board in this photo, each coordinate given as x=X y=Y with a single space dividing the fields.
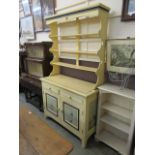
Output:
x=115 y=123
x=89 y=69
x=113 y=141
x=117 y=110
x=110 y=88
x=79 y=52
x=89 y=35
x=82 y=59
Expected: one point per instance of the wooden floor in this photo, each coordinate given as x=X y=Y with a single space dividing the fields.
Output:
x=25 y=147
x=37 y=138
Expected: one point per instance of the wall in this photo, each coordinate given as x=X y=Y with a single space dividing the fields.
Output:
x=116 y=29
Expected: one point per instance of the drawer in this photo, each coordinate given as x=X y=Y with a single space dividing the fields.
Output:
x=72 y=96
x=35 y=51
x=51 y=88
x=35 y=68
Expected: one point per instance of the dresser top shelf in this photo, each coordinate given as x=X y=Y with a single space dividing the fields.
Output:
x=89 y=69
x=80 y=87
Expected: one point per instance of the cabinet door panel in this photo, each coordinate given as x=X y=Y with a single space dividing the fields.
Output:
x=52 y=104
x=71 y=115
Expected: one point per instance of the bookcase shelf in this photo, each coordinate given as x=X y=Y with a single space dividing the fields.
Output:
x=79 y=52
x=77 y=36
x=89 y=69
x=112 y=121
x=117 y=110
x=115 y=122
x=113 y=141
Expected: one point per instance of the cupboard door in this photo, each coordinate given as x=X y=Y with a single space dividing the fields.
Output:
x=71 y=115
x=52 y=104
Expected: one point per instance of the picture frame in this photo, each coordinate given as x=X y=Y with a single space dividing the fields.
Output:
x=21 y=10
x=20 y=6
x=121 y=56
x=48 y=9
x=27 y=28
x=26 y=7
x=128 y=10
x=37 y=15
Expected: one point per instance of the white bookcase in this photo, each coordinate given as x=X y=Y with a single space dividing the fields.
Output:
x=115 y=122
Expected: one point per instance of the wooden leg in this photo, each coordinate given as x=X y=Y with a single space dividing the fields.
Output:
x=27 y=95
x=45 y=116
x=84 y=143
x=41 y=104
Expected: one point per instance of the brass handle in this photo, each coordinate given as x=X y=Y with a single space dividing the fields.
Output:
x=69 y=96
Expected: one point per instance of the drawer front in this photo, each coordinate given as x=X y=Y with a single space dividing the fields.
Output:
x=35 y=51
x=52 y=104
x=51 y=88
x=35 y=69
x=71 y=115
x=72 y=96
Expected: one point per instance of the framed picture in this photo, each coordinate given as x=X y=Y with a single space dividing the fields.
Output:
x=37 y=15
x=26 y=7
x=21 y=14
x=21 y=10
x=27 y=27
x=128 y=10
x=121 y=56
x=20 y=6
x=48 y=9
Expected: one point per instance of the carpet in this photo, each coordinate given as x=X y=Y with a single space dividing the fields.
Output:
x=37 y=138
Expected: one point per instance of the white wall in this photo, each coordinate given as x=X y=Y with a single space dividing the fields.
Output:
x=116 y=30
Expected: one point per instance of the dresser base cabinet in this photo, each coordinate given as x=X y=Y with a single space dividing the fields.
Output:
x=74 y=111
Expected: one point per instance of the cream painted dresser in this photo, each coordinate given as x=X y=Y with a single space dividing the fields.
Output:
x=69 y=93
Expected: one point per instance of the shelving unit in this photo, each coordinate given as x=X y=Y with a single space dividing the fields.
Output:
x=37 y=64
x=70 y=92
x=115 y=122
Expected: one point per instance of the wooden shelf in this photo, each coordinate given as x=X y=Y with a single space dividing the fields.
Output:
x=89 y=69
x=117 y=110
x=89 y=35
x=79 y=52
x=113 y=141
x=115 y=123
x=75 y=52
